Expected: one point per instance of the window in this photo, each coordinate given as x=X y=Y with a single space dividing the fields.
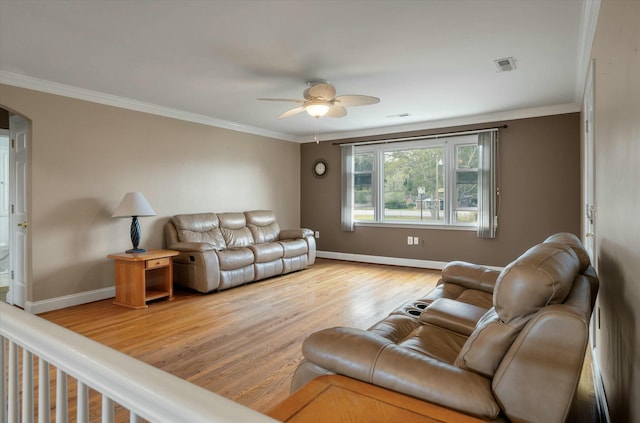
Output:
x=424 y=182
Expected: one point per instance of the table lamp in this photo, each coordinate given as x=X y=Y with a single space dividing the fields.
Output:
x=134 y=205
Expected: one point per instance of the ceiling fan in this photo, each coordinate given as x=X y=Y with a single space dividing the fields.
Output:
x=320 y=100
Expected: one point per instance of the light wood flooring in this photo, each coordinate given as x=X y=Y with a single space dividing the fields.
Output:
x=245 y=343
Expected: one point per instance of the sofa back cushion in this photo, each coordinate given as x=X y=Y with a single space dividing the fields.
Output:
x=234 y=229
x=542 y=276
x=574 y=242
x=263 y=225
x=199 y=227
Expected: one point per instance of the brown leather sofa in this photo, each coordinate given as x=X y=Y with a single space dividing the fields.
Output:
x=501 y=346
x=223 y=250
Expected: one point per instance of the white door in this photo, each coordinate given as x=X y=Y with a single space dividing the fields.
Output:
x=18 y=257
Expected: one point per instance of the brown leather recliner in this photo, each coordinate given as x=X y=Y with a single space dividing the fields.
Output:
x=518 y=359
x=220 y=251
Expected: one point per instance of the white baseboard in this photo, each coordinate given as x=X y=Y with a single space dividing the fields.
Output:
x=393 y=261
x=598 y=384
x=37 y=307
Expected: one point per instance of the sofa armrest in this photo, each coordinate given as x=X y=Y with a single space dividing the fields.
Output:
x=348 y=351
x=470 y=275
x=374 y=359
x=453 y=315
x=191 y=246
x=294 y=233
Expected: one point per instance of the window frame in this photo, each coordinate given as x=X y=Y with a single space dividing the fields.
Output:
x=449 y=145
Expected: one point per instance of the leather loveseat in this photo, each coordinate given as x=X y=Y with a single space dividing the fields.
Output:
x=501 y=346
x=223 y=250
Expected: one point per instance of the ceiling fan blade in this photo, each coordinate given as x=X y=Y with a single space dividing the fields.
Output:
x=355 y=100
x=281 y=99
x=336 y=111
x=291 y=112
x=326 y=91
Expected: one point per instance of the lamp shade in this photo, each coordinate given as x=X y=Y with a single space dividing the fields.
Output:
x=133 y=204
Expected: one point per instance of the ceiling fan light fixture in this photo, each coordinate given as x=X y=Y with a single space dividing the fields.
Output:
x=317 y=108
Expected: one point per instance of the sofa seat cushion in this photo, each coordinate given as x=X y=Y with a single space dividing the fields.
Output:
x=395 y=327
x=293 y=248
x=460 y=293
x=475 y=298
x=267 y=252
x=442 y=344
x=235 y=258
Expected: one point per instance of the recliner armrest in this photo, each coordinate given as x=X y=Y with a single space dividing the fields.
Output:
x=348 y=351
x=470 y=275
x=371 y=358
x=453 y=315
x=192 y=246
x=294 y=233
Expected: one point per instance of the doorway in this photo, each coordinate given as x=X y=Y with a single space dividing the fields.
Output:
x=4 y=213
x=14 y=237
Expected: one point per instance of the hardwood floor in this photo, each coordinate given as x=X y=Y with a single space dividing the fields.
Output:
x=245 y=343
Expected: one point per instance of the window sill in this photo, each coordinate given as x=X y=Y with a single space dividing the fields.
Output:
x=416 y=226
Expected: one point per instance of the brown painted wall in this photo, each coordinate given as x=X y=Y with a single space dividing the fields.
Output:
x=616 y=51
x=540 y=186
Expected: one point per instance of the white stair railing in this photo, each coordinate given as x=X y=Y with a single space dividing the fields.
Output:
x=147 y=392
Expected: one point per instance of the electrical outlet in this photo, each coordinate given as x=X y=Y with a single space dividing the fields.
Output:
x=416 y=240
x=409 y=240
x=317 y=235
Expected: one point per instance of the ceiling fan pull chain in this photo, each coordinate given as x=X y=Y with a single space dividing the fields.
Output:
x=316 y=136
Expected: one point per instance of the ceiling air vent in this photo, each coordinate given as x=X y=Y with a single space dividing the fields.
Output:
x=505 y=65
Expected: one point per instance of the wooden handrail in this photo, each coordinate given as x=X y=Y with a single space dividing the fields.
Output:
x=146 y=391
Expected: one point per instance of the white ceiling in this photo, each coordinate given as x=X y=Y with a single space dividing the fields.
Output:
x=209 y=61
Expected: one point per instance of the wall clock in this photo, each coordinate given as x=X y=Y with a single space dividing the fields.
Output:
x=320 y=167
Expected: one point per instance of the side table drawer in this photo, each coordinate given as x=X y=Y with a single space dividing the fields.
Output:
x=155 y=263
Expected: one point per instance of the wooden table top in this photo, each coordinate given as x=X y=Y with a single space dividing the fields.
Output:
x=147 y=255
x=339 y=399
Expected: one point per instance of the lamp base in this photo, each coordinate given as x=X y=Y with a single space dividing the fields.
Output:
x=136 y=250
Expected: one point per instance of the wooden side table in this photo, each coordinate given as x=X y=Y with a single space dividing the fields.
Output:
x=141 y=277
x=339 y=399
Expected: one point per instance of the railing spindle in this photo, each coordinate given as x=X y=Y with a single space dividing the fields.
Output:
x=83 y=403
x=14 y=389
x=27 y=386
x=107 y=409
x=62 y=406
x=44 y=396
x=133 y=418
x=3 y=380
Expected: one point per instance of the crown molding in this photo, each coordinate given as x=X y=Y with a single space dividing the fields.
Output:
x=588 y=23
x=22 y=81
x=557 y=109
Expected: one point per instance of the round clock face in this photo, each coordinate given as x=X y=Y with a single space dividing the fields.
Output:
x=320 y=168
